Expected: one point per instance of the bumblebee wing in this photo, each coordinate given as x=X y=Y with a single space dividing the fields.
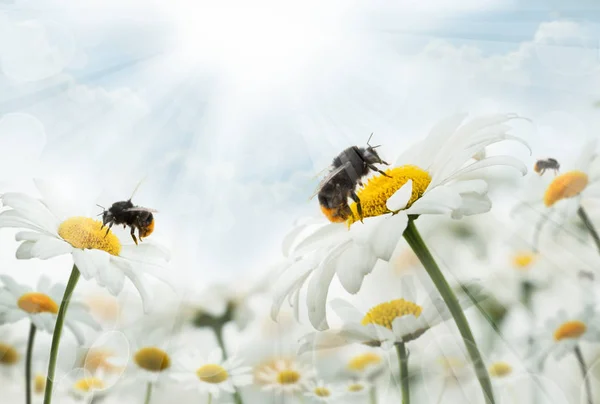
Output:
x=140 y=209
x=331 y=174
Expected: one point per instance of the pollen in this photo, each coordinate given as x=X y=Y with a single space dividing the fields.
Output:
x=87 y=233
x=361 y=362
x=355 y=388
x=35 y=303
x=570 y=329
x=288 y=376
x=39 y=384
x=523 y=260
x=500 y=369
x=8 y=355
x=212 y=373
x=375 y=193
x=385 y=313
x=567 y=185
x=322 y=392
x=88 y=384
x=152 y=359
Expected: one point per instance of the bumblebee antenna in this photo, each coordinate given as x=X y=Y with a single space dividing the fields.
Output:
x=101 y=207
x=369 y=144
x=136 y=188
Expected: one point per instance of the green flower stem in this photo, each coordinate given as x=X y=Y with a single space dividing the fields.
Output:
x=403 y=363
x=148 y=393
x=218 y=330
x=584 y=371
x=28 y=358
x=60 y=319
x=589 y=226
x=412 y=236
x=373 y=395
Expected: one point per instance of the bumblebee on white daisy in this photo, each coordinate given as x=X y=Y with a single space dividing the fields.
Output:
x=285 y=376
x=211 y=374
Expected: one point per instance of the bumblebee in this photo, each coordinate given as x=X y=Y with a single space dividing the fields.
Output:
x=128 y=214
x=542 y=165
x=346 y=172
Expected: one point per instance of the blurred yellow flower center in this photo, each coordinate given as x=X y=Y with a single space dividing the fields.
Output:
x=212 y=373
x=39 y=384
x=152 y=359
x=322 y=392
x=86 y=233
x=500 y=369
x=8 y=354
x=355 y=388
x=360 y=362
x=35 y=303
x=375 y=193
x=385 y=313
x=565 y=186
x=523 y=260
x=288 y=376
x=99 y=359
x=88 y=384
x=570 y=329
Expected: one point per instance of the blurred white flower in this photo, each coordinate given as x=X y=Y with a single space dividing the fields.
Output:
x=53 y=230
x=150 y=360
x=322 y=392
x=41 y=306
x=285 y=376
x=434 y=176
x=366 y=364
x=211 y=374
x=12 y=347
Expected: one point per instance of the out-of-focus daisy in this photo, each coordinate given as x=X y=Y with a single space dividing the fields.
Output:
x=12 y=349
x=563 y=333
x=41 y=306
x=97 y=252
x=84 y=386
x=285 y=377
x=435 y=176
x=357 y=388
x=150 y=359
x=211 y=374
x=322 y=392
x=366 y=364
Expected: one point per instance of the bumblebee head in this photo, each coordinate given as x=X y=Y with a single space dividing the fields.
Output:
x=370 y=155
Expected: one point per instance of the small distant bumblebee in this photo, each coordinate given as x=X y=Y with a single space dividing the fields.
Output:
x=542 y=165
x=128 y=214
x=345 y=173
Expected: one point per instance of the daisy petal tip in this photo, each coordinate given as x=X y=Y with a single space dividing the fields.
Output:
x=400 y=198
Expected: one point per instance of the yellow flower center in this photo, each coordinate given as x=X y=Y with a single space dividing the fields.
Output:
x=152 y=359
x=88 y=384
x=523 y=260
x=39 y=384
x=322 y=392
x=378 y=189
x=212 y=373
x=360 y=362
x=87 y=233
x=385 y=313
x=565 y=186
x=288 y=376
x=355 y=388
x=8 y=355
x=97 y=358
x=34 y=303
x=570 y=329
x=500 y=369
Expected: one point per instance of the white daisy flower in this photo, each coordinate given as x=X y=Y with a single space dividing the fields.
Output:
x=366 y=364
x=563 y=333
x=211 y=374
x=435 y=176
x=85 y=387
x=41 y=306
x=323 y=392
x=285 y=377
x=150 y=360
x=12 y=350
x=97 y=252
x=357 y=388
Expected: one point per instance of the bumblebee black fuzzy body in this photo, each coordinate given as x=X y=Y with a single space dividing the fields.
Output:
x=347 y=171
x=542 y=165
x=127 y=214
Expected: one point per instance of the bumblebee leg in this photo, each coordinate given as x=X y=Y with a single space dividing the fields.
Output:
x=372 y=167
x=356 y=199
x=133 y=235
x=108 y=229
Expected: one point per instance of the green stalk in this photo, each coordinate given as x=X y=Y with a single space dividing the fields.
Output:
x=373 y=394
x=218 y=330
x=403 y=363
x=148 y=393
x=412 y=236
x=28 y=358
x=589 y=226
x=584 y=371
x=60 y=319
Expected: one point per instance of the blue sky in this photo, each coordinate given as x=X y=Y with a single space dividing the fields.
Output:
x=228 y=112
